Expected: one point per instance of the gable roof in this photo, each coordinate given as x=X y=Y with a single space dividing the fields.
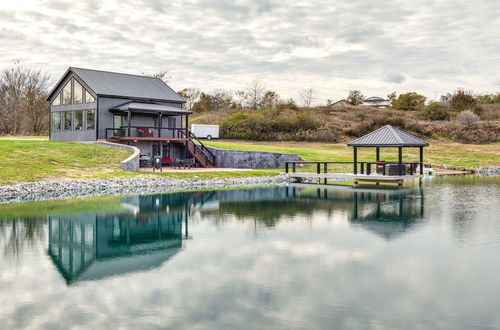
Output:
x=388 y=136
x=105 y=83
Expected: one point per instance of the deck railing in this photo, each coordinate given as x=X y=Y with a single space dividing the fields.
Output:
x=364 y=168
x=145 y=131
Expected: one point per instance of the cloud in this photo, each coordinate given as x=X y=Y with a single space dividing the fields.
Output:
x=290 y=45
x=394 y=77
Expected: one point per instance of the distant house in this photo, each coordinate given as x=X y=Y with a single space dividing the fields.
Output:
x=376 y=101
x=341 y=103
x=90 y=105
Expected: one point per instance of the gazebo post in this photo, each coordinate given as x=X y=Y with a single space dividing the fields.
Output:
x=160 y=124
x=377 y=153
x=421 y=160
x=129 y=117
x=400 y=160
x=355 y=160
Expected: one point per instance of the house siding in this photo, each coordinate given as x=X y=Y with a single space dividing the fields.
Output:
x=105 y=117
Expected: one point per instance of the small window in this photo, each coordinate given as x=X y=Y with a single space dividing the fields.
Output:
x=57 y=100
x=56 y=121
x=88 y=97
x=78 y=118
x=90 y=124
x=67 y=120
x=172 y=122
x=77 y=92
x=66 y=92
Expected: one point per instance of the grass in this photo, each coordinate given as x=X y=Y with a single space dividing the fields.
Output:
x=31 y=137
x=28 y=161
x=439 y=152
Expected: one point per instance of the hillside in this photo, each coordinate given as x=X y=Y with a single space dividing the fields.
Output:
x=341 y=124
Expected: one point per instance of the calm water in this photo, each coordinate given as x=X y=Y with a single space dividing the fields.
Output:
x=269 y=258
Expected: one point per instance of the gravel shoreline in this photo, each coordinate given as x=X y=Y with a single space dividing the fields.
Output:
x=47 y=190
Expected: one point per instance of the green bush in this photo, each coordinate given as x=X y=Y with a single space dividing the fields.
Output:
x=409 y=101
x=435 y=111
x=272 y=124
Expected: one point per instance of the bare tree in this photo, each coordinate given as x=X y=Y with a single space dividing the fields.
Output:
x=307 y=96
x=12 y=88
x=191 y=95
x=35 y=108
x=163 y=75
x=355 y=97
x=270 y=99
x=252 y=95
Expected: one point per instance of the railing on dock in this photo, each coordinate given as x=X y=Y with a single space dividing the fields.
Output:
x=362 y=168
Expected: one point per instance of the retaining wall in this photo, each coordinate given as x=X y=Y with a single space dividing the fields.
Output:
x=129 y=164
x=250 y=159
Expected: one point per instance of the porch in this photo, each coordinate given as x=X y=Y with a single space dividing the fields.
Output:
x=159 y=131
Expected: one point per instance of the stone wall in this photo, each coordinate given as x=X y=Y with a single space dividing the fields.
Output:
x=250 y=159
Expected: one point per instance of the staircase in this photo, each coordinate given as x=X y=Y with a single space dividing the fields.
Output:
x=198 y=150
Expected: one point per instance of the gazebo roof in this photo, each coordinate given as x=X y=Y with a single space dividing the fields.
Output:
x=388 y=136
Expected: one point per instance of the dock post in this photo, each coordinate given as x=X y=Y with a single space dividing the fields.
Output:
x=355 y=160
x=325 y=170
x=286 y=167
x=318 y=171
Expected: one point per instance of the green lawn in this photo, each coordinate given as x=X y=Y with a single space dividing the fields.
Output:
x=22 y=161
x=439 y=152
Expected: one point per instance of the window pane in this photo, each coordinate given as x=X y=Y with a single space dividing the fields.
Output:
x=90 y=119
x=67 y=93
x=117 y=121
x=67 y=120
x=77 y=92
x=56 y=121
x=88 y=97
x=78 y=119
x=57 y=100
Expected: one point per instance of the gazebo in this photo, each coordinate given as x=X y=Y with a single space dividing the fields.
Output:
x=388 y=137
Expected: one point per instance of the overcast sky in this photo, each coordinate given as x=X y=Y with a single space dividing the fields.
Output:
x=374 y=46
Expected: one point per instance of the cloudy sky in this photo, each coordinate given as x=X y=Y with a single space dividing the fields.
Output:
x=377 y=47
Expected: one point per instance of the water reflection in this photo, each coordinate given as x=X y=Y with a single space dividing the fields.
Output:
x=148 y=230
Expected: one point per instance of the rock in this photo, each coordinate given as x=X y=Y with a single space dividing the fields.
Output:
x=46 y=190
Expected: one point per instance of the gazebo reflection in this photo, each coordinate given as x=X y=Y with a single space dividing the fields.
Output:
x=388 y=215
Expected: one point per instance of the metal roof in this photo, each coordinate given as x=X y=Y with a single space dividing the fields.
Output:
x=107 y=83
x=374 y=98
x=388 y=136
x=150 y=107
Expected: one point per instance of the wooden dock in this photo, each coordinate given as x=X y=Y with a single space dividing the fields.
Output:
x=356 y=178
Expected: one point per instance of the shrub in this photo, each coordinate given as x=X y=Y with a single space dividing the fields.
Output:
x=409 y=101
x=436 y=111
x=462 y=100
x=467 y=118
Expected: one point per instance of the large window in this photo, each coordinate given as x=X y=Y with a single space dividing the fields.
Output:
x=57 y=100
x=66 y=92
x=88 y=97
x=67 y=120
x=77 y=92
x=56 y=121
x=90 y=123
x=78 y=118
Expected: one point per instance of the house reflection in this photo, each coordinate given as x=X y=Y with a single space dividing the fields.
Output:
x=143 y=235
x=148 y=230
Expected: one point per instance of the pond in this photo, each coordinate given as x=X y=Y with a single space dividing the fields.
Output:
x=295 y=257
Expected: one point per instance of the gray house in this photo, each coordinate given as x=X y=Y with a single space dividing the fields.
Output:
x=92 y=105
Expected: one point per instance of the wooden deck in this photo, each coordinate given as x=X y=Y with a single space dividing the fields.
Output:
x=357 y=178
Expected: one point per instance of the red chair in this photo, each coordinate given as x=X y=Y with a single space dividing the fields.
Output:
x=380 y=166
x=166 y=161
